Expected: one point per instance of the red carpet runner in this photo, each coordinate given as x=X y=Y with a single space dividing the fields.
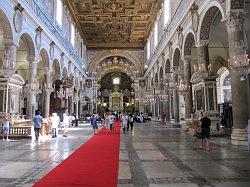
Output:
x=94 y=164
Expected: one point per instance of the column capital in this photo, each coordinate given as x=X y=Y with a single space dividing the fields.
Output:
x=187 y=59
x=235 y=20
x=202 y=43
x=30 y=58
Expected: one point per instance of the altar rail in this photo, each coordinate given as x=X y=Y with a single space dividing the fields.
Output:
x=22 y=128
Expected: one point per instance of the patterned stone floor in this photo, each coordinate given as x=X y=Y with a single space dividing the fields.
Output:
x=150 y=156
x=157 y=156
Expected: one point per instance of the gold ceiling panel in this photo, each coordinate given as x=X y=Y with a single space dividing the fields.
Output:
x=114 y=23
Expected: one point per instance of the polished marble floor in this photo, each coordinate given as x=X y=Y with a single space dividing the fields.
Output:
x=158 y=156
x=150 y=156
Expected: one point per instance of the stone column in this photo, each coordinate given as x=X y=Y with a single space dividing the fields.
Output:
x=167 y=102
x=203 y=56
x=7 y=64
x=71 y=107
x=80 y=108
x=237 y=49
x=176 y=97
x=31 y=100
x=47 y=91
x=77 y=111
x=188 y=95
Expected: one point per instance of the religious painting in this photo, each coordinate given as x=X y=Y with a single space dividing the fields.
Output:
x=116 y=102
x=211 y=98
x=12 y=103
x=199 y=100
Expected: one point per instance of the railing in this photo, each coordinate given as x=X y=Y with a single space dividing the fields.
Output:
x=55 y=29
x=168 y=32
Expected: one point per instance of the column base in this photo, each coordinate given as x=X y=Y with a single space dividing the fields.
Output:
x=176 y=125
x=239 y=137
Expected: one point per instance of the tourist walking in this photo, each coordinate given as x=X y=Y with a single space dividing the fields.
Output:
x=111 y=122
x=66 y=124
x=128 y=122
x=124 y=120
x=6 y=127
x=93 y=122
x=37 y=124
x=55 y=120
x=106 y=121
x=205 y=126
x=131 y=121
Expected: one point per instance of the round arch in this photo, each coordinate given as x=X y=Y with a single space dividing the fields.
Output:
x=56 y=68
x=29 y=43
x=6 y=28
x=161 y=74
x=207 y=18
x=189 y=42
x=45 y=57
x=167 y=66
x=65 y=73
x=176 y=57
x=124 y=54
x=156 y=81
x=114 y=69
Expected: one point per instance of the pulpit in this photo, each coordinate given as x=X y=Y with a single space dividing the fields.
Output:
x=205 y=97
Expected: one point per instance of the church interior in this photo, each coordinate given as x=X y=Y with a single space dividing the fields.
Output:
x=166 y=64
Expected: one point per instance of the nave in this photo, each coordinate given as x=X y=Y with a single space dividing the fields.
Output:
x=152 y=155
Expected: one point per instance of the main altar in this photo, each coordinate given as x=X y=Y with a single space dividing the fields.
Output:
x=116 y=100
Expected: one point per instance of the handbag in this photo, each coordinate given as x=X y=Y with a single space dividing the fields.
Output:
x=198 y=133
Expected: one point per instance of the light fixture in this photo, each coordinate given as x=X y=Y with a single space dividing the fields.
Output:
x=146 y=66
x=240 y=63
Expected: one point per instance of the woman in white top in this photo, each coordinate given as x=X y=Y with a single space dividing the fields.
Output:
x=124 y=120
x=54 y=124
x=6 y=127
x=66 y=121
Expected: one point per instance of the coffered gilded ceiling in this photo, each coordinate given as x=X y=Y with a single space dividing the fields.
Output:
x=114 y=23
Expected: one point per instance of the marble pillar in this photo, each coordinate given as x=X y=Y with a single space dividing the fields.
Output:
x=8 y=62
x=237 y=49
x=71 y=106
x=77 y=110
x=203 y=56
x=167 y=106
x=188 y=94
x=31 y=99
x=80 y=108
x=47 y=91
x=176 y=98
x=171 y=100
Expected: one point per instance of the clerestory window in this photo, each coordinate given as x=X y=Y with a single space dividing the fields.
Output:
x=59 y=10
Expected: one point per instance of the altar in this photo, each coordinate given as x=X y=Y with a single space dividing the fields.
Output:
x=116 y=100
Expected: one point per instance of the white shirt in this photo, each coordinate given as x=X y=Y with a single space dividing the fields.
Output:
x=55 y=121
x=66 y=121
x=111 y=119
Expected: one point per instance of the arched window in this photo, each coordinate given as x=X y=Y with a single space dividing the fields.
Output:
x=227 y=81
x=224 y=86
x=72 y=38
x=59 y=9
x=148 y=49
x=167 y=11
x=156 y=34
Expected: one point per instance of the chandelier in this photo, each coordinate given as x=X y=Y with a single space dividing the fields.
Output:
x=60 y=93
x=183 y=87
x=240 y=63
x=35 y=87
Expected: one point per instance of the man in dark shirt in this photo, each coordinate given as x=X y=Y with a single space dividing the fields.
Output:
x=205 y=126
x=37 y=124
